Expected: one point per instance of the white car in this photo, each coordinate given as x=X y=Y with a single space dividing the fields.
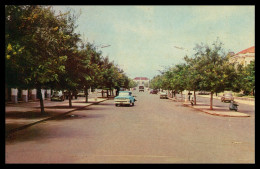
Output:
x=57 y=95
x=163 y=95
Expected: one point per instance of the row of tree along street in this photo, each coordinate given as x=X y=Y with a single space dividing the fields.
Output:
x=43 y=51
x=208 y=69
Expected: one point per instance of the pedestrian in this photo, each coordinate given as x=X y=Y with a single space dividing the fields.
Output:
x=192 y=100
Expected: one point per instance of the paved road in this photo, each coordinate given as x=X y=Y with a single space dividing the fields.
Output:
x=153 y=131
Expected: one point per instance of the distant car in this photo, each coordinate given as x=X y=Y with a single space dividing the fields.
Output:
x=81 y=93
x=153 y=91
x=124 y=98
x=57 y=96
x=227 y=97
x=163 y=95
x=203 y=93
x=66 y=94
x=141 y=88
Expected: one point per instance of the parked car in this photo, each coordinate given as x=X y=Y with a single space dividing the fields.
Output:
x=203 y=93
x=124 y=98
x=227 y=97
x=163 y=95
x=81 y=93
x=153 y=91
x=57 y=95
x=66 y=94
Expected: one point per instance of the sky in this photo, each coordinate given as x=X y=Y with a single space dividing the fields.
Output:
x=145 y=40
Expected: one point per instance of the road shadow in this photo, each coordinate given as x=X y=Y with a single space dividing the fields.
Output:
x=41 y=135
x=11 y=126
x=72 y=116
x=64 y=107
x=106 y=103
x=80 y=102
x=92 y=108
x=28 y=114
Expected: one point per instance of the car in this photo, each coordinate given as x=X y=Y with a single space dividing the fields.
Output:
x=163 y=95
x=141 y=88
x=81 y=93
x=57 y=96
x=203 y=93
x=125 y=98
x=73 y=94
x=153 y=91
x=227 y=97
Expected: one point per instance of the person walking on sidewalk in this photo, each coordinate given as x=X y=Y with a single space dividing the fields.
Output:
x=192 y=100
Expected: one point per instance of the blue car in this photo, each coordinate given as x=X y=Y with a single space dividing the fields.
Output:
x=124 y=98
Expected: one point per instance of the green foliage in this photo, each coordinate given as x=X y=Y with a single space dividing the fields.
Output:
x=43 y=51
x=246 y=78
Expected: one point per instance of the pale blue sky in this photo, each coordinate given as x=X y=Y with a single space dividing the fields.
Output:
x=142 y=38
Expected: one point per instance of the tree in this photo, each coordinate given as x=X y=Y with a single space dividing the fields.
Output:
x=69 y=79
x=156 y=82
x=193 y=77
x=215 y=72
x=32 y=56
x=247 y=78
x=132 y=83
x=177 y=76
x=90 y=68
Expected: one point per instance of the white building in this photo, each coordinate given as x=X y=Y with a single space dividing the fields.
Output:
x=141 y=81
x=243 y=57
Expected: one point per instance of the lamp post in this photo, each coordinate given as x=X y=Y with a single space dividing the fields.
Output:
x=101 y=46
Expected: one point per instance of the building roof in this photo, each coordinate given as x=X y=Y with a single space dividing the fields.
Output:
x=248 y=50
x=141 y=78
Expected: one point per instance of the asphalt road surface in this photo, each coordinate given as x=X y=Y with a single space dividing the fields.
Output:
x=153 y=131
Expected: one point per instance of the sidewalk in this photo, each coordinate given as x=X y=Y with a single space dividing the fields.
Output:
x=249 y=101
x=22 y=115
x=217 y=111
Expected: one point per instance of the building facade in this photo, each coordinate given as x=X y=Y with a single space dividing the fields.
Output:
x=243 y=57
x=141 y=81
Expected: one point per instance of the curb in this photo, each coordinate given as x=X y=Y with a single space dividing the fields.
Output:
x=48 y=118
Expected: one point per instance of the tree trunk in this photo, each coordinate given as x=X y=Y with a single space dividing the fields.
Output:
x=102 y=93
x=107 y=93
x=41 y=100
x=194 y=97
x=86 y=93
x=70 y=104
x=211 y=100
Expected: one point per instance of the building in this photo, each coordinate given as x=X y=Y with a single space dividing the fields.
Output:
x=141 y=81
x=244 y=57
